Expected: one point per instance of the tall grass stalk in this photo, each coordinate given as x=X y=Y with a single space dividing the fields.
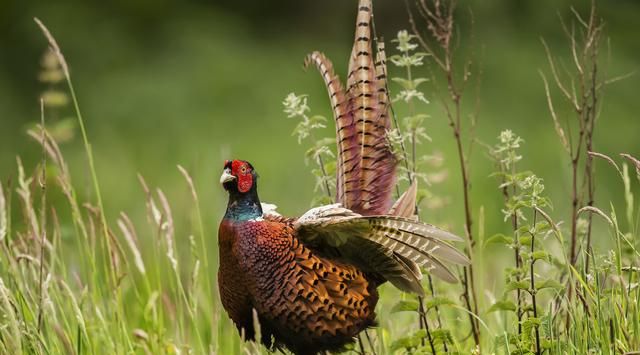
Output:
x=438 y=20
x=72 y=283
x=106 y=240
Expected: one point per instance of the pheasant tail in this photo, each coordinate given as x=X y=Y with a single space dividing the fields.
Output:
x=348 y=155
x=366 y=165
x=369 y=106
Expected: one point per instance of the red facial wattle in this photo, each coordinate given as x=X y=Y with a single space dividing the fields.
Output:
x=242 y=172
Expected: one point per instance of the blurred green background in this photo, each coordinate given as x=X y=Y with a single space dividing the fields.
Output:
x=164 y=82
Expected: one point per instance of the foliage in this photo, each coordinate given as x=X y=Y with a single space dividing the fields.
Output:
x=73 y=281
x=320 y=152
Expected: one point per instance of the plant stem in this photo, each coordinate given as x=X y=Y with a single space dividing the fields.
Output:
x=361 y=345
x=518 y=259
x=43 y=218
x=320 y=162
x=324 y=176
x=533 y=290
x=440 y=23
x=470 y=281
x=423 y=319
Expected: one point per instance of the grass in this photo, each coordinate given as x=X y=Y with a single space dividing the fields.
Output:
x=74 y=281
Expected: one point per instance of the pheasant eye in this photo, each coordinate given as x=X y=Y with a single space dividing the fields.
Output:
x=243 y=169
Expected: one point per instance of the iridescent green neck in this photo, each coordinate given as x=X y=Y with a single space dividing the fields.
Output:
x=243 y=207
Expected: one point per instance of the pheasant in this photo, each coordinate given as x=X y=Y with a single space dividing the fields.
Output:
x=312 y=281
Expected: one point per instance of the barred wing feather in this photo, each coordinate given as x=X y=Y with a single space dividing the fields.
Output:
x=387 y=245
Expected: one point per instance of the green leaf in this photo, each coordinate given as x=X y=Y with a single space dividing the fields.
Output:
x=525 y=240
x=502 y=306
x=547 y=344
x=405 y=83
x=317 y=118
x=422 y=194
x=504 y=339
x=499 y=239
x=330 y=167
x=439 y=301
x=531 y=322
x=515 y=285
x=350 y=346
x=405 y=306
x=516 y=272
x=441 y=336
x=413 y=122
x=540 y=255
x=329 y=142
x=542 y=227
x=418 y=81
x=550 y=284
x=409 y=342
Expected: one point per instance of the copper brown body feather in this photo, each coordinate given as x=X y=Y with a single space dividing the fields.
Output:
x=293 y=289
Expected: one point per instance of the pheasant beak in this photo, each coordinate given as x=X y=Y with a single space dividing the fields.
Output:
x=226 y=176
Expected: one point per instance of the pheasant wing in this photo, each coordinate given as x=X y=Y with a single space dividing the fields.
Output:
x=394 y=243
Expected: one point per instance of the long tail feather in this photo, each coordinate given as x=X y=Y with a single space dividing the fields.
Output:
x=347 y=186
x=366 y=164
x=377 y=163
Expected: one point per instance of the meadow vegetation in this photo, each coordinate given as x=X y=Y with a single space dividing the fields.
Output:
x=74 y=280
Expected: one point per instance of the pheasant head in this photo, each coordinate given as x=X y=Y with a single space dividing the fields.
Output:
x=240 y=180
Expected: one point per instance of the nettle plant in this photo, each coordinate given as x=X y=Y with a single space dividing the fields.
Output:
x=540 y=314
x=525 y=204
x=320 y=152
x=410 y=133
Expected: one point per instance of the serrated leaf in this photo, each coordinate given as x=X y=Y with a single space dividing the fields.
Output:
x=547 y=344
x=542 y=227
x=418 y=81
x=523 y=229
x=325 y=142
x=415 y=121
x=527 y=327
x=317 y=118
x=439 y=301
x=405 y=306
x=503 y=306
x=525 y=240
x=499 y=239
x=442 y=336
x=504 y=339
x=409 y=342
x=539 y=255
x=405 y=83
x=514 y=285
x=548 y=283
x=421 y=195
x=330 y=167
x=515 y=273
x=527 y=307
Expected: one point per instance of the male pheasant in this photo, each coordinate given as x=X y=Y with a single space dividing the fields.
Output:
x=313 y=280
